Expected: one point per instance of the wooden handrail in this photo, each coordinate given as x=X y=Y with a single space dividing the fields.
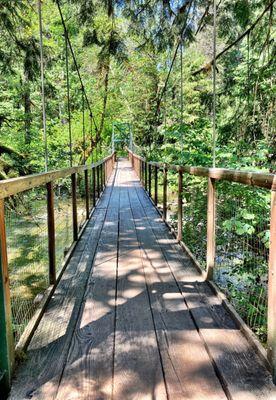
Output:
x=250 y=178
x=10 y=187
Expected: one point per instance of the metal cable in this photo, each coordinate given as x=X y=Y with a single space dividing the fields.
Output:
x=42 y=84
x=83 y=128
x=68 y=98
x=181 y=94
x=182 y=34
x=214 y=82
x=76 y=64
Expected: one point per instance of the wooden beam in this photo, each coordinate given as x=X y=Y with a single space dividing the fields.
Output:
x=211 y=229
x=180 y=206
x=94 y=186
x=150 y=180
x=6 y=332
x=155 y=185
x=51 y=233
x=87 y=194
x=250 y=178
x=165 y=190
x=10 y=187
x=272 y=289
x=98 y=181
x=74 y=206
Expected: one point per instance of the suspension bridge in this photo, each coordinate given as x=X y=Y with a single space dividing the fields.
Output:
x=117 y=289
x=130 y=314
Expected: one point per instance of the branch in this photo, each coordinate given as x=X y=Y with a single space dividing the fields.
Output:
x=245 y=33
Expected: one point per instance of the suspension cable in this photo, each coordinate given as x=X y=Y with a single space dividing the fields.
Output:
x=181 y=84
x=42 y=84
x=182 y=34
x=91 y=138
x=181 y=94
x=214 y=81
x=68 y=98
x=227 y=48
x=83 y=128
x=76 y=64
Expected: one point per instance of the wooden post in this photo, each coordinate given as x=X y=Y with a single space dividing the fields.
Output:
x=98 y=181
x=102 y=178
x=146 y=176
x=271 y=320
x=74 y=205
x=149 y=180
x=94 y=186
x=105 y=172
x=87 y=194
x=165 y=189
x=211 y=229
x=6 y=333
x=51 y=233
x=180 y=206
x=156 y=185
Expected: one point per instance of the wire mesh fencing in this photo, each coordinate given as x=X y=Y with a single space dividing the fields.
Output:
x=195 y=216
x=242 y=251
x=63 y=220
x=27 y=249
x=81 y=202
x=172 y=198
x=92 y=187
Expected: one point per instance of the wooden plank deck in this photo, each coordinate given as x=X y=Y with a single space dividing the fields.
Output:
x=132 y=319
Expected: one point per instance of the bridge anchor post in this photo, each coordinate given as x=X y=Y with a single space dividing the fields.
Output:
x=6 y=332
x=271 y=320
x=165 y=190
x=180 y=206
x=211 y=229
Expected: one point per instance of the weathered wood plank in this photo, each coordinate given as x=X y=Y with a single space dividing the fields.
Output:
x=38 y=377
x=89 y=367
x=12 y=186
x=251 y=178
x=137 y=366
x=240 y=369
x=158 y=331
x=188 y=369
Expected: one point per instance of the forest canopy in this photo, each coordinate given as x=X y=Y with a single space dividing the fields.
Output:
x=124 y=51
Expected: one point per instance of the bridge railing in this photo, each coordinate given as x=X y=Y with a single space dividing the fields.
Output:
x=226 y=221
x=41 y=218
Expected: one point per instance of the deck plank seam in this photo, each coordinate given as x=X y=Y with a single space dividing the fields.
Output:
x=150 y=304
x=215 y=367
x=116 y=300
x=87 y=280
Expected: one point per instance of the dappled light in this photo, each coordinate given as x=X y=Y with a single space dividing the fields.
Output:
x=137 y=200
x=132 y=318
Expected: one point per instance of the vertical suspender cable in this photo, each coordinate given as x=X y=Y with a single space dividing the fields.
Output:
x=181 y=83
x=248 y=71
x=68 y=96
x=42 y=84
x=165 y=110
x=91 y=136
x=113 y=144
x=181 y=94
x=83 y=128
x=214 y=81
